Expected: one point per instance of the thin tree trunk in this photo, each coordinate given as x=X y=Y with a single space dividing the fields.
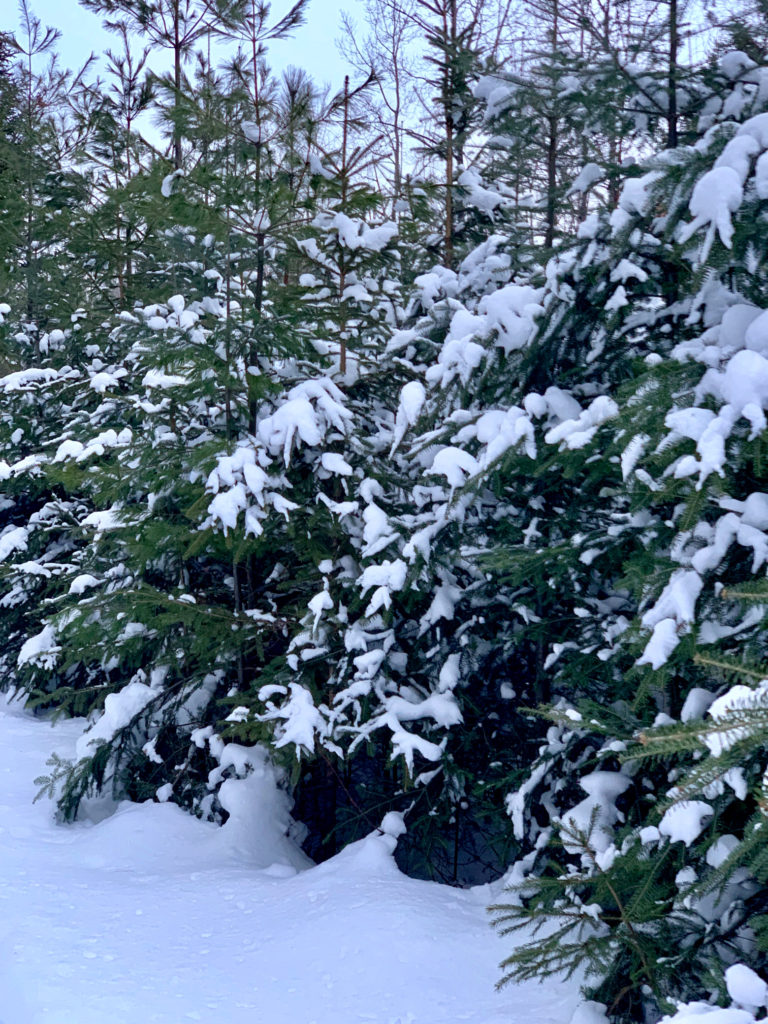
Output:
x=549 y=236
x=450 y=33
x=342 y=269
x=177 y=155
x=552 y=144
x=672 y=78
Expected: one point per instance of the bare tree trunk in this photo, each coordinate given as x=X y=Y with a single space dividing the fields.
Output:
x=549 y=235
x=450 y=32
x=552 y=144
x=342 y=269
x=177 y=155
x=672 y=77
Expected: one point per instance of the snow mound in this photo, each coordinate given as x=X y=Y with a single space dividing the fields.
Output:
x=156 y=917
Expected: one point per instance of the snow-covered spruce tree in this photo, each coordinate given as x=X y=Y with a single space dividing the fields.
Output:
x=152 y=401
x=216 y=513
x=536 y=119
x=349 y=293
x=170 y=607
x=468 y=647
x=416 y=685
x=39 y=521
x=371 y=677
x=446 y=653
x=451 y=30
x=639 y=876
x=10 y=168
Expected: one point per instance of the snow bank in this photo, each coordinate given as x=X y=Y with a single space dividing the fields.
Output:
x=156 y=917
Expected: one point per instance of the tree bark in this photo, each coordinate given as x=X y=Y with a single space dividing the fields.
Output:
x=672 y=77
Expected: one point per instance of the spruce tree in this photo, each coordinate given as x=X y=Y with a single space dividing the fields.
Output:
x=637 y=867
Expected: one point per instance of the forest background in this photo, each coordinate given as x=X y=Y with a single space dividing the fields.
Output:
x=405 y=444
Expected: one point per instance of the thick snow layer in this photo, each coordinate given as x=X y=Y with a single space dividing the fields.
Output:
x=119 y=710
x=746 y=987
x=412 y=398
x=720 y=851
x=167 y=186
x=40 y=649
x=696 y=704
x=735 y=351
x=476 y=193
x=597 y=814
x=588 y=176
x=14 y=538
x=152 y=916
x=356 y=234
x=715 y=197
x=575 y=433
x=672 y=613
x=507 y=315
x=703 y=1013
x=726 y=708
x=684 y=822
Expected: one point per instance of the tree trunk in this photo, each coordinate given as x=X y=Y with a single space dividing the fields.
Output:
x=451 y=31
x=342 y=270
x=176 y=85
x=672 y=77
x=552 y=143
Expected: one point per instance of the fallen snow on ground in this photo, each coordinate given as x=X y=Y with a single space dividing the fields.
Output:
x=153 y=916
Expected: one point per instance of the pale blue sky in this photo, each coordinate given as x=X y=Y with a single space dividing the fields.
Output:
x=311 y=47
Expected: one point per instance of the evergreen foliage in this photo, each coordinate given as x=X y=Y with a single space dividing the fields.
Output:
x=447 y=498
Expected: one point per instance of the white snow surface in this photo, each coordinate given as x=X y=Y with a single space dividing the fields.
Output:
x=746 y=987
x=153 y=917
x=685 y=821
x=596 y=815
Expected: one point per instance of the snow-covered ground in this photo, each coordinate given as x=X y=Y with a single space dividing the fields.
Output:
x=153 y=916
